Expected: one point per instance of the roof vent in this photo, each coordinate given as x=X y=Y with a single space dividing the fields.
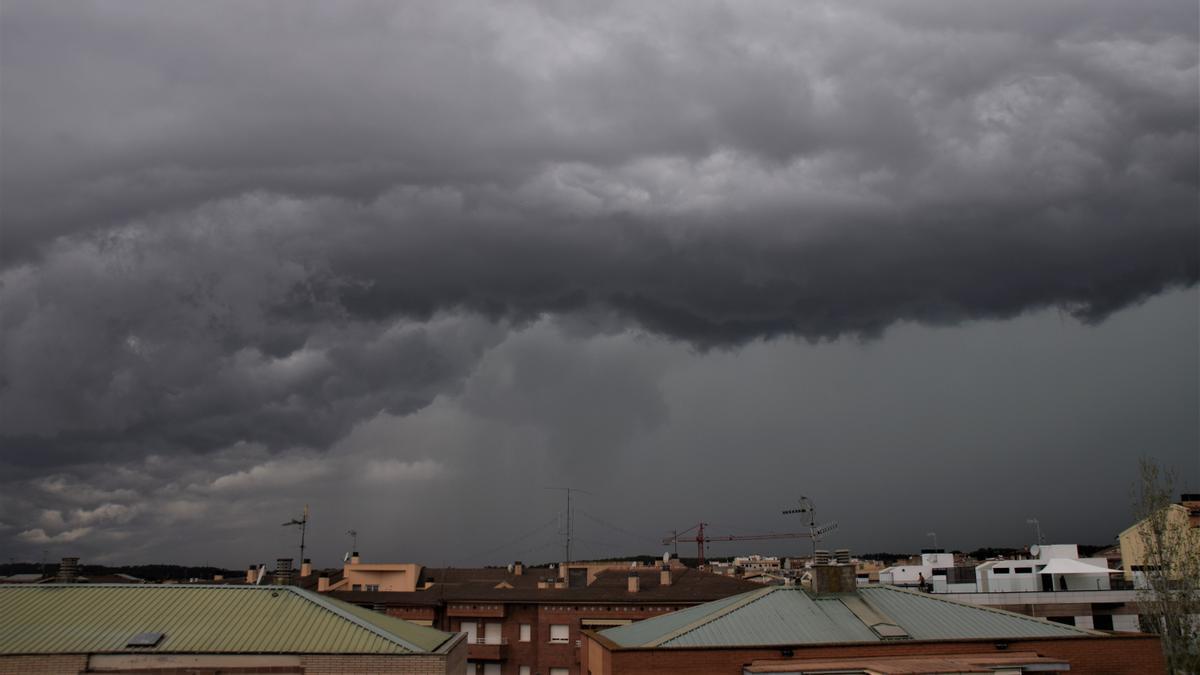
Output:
x=145 y=640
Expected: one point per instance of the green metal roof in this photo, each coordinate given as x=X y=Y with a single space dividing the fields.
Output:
x=100 y=618
x=787 y=615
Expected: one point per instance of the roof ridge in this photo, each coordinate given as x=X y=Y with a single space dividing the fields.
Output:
x=751 y=596
x=993 y=610
x=325 y=604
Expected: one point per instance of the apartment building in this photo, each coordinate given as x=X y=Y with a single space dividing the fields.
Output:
x=527 y=621
x=836 y=627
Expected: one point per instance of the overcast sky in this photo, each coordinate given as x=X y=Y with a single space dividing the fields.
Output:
x=932 y=264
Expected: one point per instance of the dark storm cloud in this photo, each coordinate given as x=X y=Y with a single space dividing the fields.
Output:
x=233 y=234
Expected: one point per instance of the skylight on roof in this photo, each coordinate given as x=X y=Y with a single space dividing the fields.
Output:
x=145 y=640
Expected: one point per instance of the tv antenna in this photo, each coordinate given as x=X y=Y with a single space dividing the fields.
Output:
x=1037 y=528
x=814 y=531
x=303 y=524
x=353 y=539
x=934 y=535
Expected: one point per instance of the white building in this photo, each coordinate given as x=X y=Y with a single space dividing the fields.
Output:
x=1055 y=583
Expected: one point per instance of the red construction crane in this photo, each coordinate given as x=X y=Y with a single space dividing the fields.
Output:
x=701 y=538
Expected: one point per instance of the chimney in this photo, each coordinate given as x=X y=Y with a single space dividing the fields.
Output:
x=664 y=575
x=306 y=567
x=833 y=579
x=821 y=557
x=283 y=571
x=251 y=574
x=518 y=568
x=354 y=558
x=68 y=571
x=322 y=583
x=634 y=583
x=218 y=577
x=544 y=583
x=842 y=556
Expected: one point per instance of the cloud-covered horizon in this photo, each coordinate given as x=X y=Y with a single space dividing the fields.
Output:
x=245 y=249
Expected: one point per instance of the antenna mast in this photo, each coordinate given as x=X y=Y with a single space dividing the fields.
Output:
x=569 y=519
x=303 y=523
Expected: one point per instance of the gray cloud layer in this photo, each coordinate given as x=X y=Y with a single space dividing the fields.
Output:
x=232 y=234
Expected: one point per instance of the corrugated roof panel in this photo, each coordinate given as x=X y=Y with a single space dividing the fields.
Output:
x=650 y=630
x=784 y=616
x=928 y=617
x=198 y=619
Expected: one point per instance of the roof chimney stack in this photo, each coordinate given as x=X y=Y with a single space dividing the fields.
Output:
x=251 y=574
x=68 y=571
x=322 y=583
x=842 y=556
x=283 y=571
x=354 y=558
x=635 y=582
x=664 y=575
x=306 y=567
x=833 y=579
x=518 y=568
x=821 y=557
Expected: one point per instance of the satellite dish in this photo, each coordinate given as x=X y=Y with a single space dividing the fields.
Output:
x=667 y=557
x=346 y=558
x=1035 y=550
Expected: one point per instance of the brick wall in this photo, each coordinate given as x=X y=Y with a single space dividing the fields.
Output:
x=1114 y=655
x=65 y=664
x=347 y=664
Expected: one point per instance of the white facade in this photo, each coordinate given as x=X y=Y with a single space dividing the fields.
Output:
x=934 y=571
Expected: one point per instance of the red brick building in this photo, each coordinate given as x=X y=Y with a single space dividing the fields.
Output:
x=529 y=621
x=841 y=629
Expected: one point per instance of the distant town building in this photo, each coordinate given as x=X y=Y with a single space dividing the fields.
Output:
x=1054 y=582
x=522 y=621
x=130 y=629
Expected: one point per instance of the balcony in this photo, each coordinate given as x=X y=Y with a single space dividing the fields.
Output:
x=480 y=650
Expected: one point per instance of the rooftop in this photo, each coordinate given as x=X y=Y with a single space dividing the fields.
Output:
x=610 y=586
x=104 y=618
x=791 y=616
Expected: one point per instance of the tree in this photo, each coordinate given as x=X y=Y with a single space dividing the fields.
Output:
x=1169 y=601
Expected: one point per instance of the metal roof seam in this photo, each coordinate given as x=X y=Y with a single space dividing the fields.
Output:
x=993 y=610
x=751 y=597
x=328 y=606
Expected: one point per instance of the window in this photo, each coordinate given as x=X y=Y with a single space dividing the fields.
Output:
x=469 y=627
x=524 y=670
x=1102 y=622
x=526 y=633
x=356 y=587
x=1067 y=620
x=1024 y=570
x=938 y=572
x=559 y=633
x=491 y=633
x=560 y=671
x=372 y=587
x=491 y=669
x=999 y=570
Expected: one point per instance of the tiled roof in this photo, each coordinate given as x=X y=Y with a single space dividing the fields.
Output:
x=788 y=615
x=610 y=586
x=94 y=618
